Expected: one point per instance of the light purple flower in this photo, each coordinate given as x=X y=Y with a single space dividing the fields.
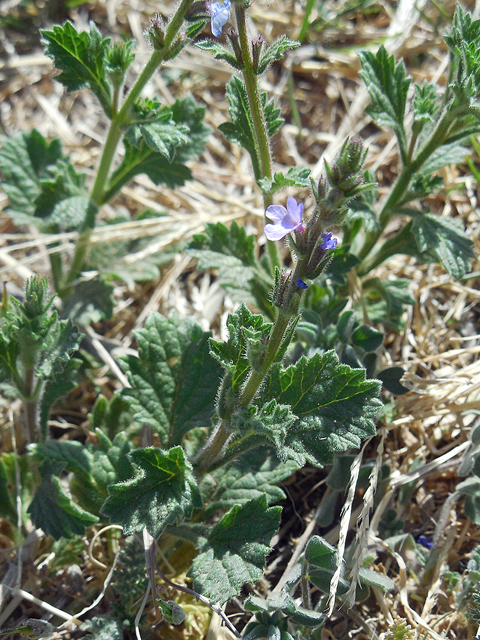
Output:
x=286 y=220
x=327 y=242
x=220 y=14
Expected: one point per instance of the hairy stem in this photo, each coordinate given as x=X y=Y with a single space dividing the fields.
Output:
x=119 y=120
x=262 y=143
x=30 y=404
x=402 y=183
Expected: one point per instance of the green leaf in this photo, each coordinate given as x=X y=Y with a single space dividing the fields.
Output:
x=346 y=324
x=54 y=511
x=37 y=178
x=103 y=627
x=160 y=136
x=156 y=166
x=81 y=58
x=271 y=421
x=256 y=473
x=189 y=114
x=244 y=329
x=336 y=407
x=174 y=380
x=162 y=492
x=219 y=52
x=465 y=30
x=240 y=130
x=69 y=455
x=386 y=300
x=425 y=103
x=72 y=213
x=363 y=206
x=275 y=52
x=230 y=251
x=445 y=239
x=444 y=156
x=391 y=380
x=235 y=551
x=375 y=579
x=90 y=302
x=295 y=177
x=387 y=85
x=367 y=338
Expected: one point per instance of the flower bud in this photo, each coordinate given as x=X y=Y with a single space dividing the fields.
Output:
x=234 y=40
x=155 y=33
x=257 y=44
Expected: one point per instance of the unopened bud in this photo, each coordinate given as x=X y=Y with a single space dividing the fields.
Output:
x=234 y=40
x=257 y=44
x=155 y=33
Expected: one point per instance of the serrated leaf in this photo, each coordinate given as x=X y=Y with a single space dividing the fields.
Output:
x=444 y=156
x=387 y=85
x=240 y=130
x=188 y=113
x=230 y=251
x=425 y=104
x=143 y=160
x=162 y=492
x=271 y=421
x=295 y=177
x=243 y=326
x=335 y=405
x=444 y=237
x=236 y=550
x=465 y=30
x=257 y=473
x=219 y=52
x=72 y=213
x=69 y=454
x=54 y=511
x=37 y=179
x=90 y=302
x=174 y=380
x=275 y=52
x=81 y=59
x=160 y=136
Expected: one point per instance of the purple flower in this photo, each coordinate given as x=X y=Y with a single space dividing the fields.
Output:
x=301 y=284
x=220 y=14
x=425 y=542
x=327 y=242
x=286 y=220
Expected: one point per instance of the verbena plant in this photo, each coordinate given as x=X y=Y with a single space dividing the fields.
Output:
x=293 y=383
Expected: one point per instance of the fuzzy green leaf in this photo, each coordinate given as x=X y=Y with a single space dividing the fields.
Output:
x=91 y=302
x=295 y=177
x=387 y=85
x=425 y=103
x=236 y=550
x=189 y=114
x=335 y=405
x=54 y=511
x=230 y=251
x=81 y=58
x=275 y=52
x=163 y=491
x=103 y=627
x=444 y=156
x=245 y=330
x=37 y=179
x=174 y=380
x=156 y=166
x=444 y=237
x=367 y=338
x=386 y=300
x=255 y=474
x=219 y=52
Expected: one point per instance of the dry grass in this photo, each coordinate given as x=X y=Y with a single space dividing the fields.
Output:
x=440 y=344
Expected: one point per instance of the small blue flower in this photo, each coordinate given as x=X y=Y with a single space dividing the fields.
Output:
x=425 y=542
x=220 y=14
x=327 y=242
x=301 y=284
x=286 y=219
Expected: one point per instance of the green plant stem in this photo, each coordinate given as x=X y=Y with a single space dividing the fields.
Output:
x=30 y=404
x=401 y=185
x=56 y=269
x=120 y=120
x=397 y=244
x=306 y=18
x=262 y=143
